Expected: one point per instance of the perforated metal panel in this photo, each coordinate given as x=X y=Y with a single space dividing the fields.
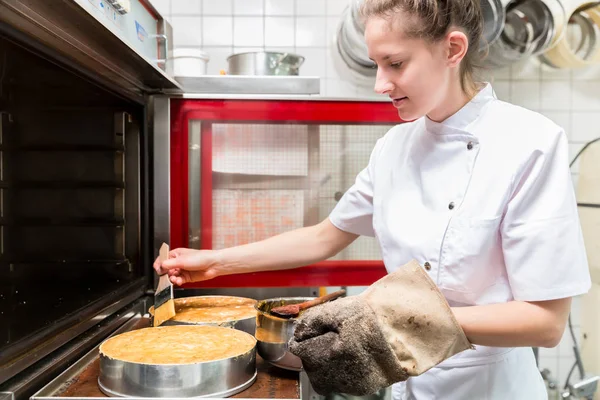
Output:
x=272 y=178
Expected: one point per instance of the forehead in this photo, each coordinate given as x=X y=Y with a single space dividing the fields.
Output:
x=384 y=36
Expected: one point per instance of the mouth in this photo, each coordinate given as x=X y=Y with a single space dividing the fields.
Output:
x=399 y=100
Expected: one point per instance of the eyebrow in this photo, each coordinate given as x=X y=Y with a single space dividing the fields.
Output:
x=387 y=57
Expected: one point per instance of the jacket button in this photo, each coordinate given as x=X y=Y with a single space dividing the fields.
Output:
x=451 y=205
x=427 y=265
x=470 y=146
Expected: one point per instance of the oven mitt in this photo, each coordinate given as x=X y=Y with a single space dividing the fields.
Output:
x=401 y=326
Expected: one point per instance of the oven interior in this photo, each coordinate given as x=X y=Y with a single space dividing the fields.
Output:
x=74 y=225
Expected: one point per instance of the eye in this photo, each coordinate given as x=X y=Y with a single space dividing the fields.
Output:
x=396 y=65
x=374 y=66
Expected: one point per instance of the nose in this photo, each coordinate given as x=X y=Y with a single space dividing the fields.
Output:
x=382 y=84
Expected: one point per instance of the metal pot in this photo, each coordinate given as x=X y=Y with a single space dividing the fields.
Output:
x=493 y=21
x=273 y=333
x=264 y=63
x=528 y=30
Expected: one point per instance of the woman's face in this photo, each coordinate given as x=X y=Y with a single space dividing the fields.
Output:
x=414 y=73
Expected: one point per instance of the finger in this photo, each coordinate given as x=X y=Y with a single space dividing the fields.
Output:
x=179 y=252
x=172 y=263
x=177 y=280
x=156 y=265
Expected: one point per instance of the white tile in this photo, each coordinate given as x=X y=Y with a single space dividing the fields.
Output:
x=242 y=49
x=591 y=73
x=163 y=7
x=186 y=7
x=526 y=94
x=217 y=7
x=331 y=32
x=314 y=62
x=575 y=179
x=546 y=354
x=281 y=49
x=561 y=118
x=187 y=31
x=336 y=7
x=367 y=93
x=279 y=31
x=248 y=7
x=575 y=148
x=565 y=347
x=548 y=362
x=279 y=7
x=340 y=88
x=217 y=31
x=248 y=31
x=528 y=69
x=586 y=96
x=501 y=73
x=556 y=95
x=564 y=366
x=502 y=90
x=584 y=127
x=334 y=66
x=310 y=7
x=218 y=59
x=310 y=32
x=555 y=74
x=576 y=309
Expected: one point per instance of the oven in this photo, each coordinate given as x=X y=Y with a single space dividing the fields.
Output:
x=76 y=228
x=104 y=155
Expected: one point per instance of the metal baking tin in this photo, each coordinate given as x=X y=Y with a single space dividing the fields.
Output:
x=218 y=379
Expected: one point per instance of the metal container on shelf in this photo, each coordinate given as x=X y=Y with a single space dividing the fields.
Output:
x=264 y=63
x=273 y=333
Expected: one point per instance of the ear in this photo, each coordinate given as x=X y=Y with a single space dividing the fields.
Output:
x=458 y=45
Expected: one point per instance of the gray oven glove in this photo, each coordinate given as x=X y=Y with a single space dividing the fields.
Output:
x=401 y=326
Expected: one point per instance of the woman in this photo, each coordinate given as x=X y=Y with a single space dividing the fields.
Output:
x=476 y=190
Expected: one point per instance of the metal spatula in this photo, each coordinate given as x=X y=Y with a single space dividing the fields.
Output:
x=164 y=305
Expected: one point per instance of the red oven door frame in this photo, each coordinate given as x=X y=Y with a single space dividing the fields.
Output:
x=326 y=273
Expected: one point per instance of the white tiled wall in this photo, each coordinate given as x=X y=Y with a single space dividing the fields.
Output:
x=223 y=27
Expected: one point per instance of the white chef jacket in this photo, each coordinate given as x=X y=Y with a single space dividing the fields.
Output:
x=483 y=200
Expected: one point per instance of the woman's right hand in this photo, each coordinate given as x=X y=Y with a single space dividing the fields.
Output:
x=188 y=265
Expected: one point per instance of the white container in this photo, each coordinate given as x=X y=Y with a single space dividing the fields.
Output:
x=189 y=62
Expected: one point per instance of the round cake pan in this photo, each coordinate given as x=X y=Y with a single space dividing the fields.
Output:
x=221 y=378
x=247 y=324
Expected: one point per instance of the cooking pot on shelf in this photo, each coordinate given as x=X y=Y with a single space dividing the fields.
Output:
x=529 y=29
x=581 y=47
x=264 y=63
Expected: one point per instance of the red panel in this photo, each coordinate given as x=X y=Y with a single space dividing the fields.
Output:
x=290 y=111
x=179 y=177
x=326 y=273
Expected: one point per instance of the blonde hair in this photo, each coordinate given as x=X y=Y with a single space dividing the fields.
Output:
x=434 y=18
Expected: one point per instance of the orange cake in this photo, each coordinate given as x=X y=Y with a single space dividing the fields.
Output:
x=178 y=344
x=218 y=309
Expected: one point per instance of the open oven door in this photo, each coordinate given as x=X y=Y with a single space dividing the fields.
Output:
x=77 y=85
